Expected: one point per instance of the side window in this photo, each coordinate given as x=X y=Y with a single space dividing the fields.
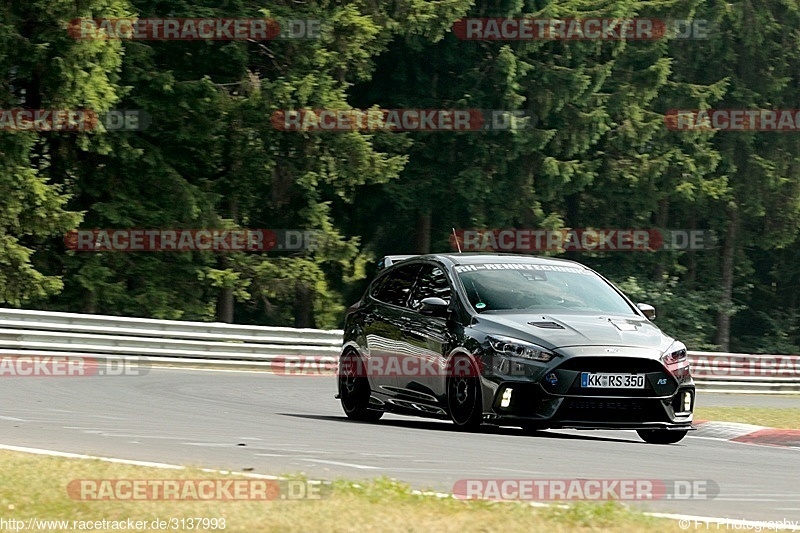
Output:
x=396 y=288
x=432 y=283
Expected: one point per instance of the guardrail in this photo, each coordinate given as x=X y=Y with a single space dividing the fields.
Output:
x=755 y=373
x=175 y=341
x=232 y=345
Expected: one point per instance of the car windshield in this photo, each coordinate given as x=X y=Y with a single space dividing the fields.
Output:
x=540 y=287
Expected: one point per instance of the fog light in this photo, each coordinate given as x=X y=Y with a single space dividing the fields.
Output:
x=506 y=401
x=687 y=401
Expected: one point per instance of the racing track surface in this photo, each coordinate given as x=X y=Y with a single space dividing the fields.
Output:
x=282 y=424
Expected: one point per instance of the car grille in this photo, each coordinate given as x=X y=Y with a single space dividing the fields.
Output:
x=569 y=372
x=647 y=392
x=611 y=410
x=600 y=363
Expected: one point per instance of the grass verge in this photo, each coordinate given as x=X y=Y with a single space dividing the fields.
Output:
x=773 y=417
x=33 y=486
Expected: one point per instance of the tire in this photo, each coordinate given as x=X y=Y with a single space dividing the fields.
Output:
x=464 y=400
x=354 y=389
x=662 y=436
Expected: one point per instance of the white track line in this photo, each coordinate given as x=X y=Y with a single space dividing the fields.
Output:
x=683 y=519
x=149 y=464
x=338 y=463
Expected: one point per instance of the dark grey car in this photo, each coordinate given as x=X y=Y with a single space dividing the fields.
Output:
x=511 y=340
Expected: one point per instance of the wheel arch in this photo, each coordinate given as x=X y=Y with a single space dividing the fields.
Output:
x=486 y=393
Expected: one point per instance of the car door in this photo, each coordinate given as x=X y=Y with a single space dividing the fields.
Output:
x=428 y=337
x=383 y=328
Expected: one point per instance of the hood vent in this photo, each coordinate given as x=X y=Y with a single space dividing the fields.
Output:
x=624 y=326
x=547 y=325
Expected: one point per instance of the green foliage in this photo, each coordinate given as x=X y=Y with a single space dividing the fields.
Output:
x=42 y=68
x=684 y=315
x=597 y=154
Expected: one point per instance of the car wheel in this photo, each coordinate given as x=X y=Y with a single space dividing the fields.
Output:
x=661 y=436
x=354 y=389
x=464 y=402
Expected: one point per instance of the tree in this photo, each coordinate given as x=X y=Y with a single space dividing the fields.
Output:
x=43 y=68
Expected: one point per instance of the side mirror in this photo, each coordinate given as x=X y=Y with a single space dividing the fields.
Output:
x=648 y=310
x=434 y=307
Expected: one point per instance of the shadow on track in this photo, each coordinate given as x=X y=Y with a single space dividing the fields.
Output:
x=433 y=425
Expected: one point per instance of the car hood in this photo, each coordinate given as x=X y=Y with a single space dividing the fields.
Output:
x=563 y=330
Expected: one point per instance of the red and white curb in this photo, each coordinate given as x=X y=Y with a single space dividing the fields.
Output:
x=747 y=434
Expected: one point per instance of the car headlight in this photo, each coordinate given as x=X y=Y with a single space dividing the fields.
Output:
x=675 y=354
x=518 y=348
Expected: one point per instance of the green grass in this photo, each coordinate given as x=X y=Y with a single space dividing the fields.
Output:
x=762 y=416
x=36 y=486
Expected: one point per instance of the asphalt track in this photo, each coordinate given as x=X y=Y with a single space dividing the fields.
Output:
x=289 y=424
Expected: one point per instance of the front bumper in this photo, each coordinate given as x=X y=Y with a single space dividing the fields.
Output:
x=554 y=398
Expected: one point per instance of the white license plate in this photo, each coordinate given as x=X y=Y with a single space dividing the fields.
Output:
x=591 y=380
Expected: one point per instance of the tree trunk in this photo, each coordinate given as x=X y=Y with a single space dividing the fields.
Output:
x=422 y=233
x=90 y=302
x=303 y=306
x=662 y=219
x=573 y=219
x=225 y=306
x=691 y=273
x=723 y=338
x=225 y=301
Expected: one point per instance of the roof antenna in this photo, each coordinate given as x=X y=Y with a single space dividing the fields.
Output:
x=455 y=238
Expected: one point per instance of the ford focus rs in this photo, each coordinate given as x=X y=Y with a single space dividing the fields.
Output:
x=511 y=340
